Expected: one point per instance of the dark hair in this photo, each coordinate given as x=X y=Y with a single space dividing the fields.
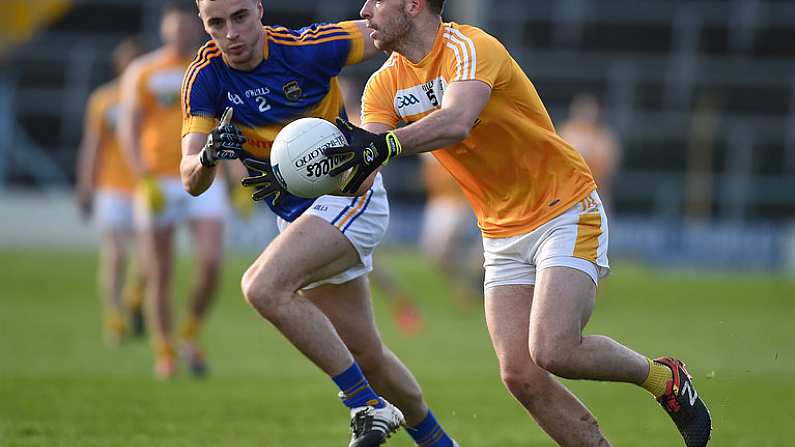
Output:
x=179 y=6
x=437 y=6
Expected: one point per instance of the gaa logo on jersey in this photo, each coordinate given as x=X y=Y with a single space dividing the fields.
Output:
x=292 y=91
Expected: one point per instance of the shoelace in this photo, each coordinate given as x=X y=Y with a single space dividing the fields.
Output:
x=362 y=421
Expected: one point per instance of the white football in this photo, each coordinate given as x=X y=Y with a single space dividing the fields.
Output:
x=299 y=162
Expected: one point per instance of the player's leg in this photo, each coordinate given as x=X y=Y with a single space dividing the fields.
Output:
x=348 y=306
x=404 y=309
x=309 y=250
x=564 y=299
x=111 y=274
x=556 y=410
x=563 y=302
x=114 y=220
x=156 y=229
x=158 y=248
x=206 y=218
x=134 y=292
x=208 y=242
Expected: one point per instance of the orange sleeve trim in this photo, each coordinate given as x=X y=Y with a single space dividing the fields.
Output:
x=319 y=31
x=193 y=73
x=198 y=124
x=307 y=42
x=356 y=52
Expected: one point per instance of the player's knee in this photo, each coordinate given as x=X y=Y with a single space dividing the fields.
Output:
x=521 y=382
x=369 y=356
x=257 y=296
x=551 y=357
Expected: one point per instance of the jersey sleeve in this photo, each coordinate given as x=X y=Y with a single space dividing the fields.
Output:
x=95 y=113
x=377 y=101
x=474 y=56
x=199 y=112
x=323 y=48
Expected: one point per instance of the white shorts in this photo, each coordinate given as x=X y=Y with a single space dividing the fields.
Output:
x=575 y=239
x=443 y=221
x=363 y=220
x=113 y=210
x=181 y=207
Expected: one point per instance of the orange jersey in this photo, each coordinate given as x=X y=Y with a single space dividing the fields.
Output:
x=113 y=171
x=158 y=89
x=515 y=170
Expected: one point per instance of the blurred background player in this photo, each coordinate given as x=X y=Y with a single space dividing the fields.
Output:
x=150 y=131
x=105 y=185
x=405 y=312
x=446 y=237
x=585 y=130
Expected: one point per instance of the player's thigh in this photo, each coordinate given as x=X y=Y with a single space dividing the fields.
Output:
x=362 y=221
x=508 y=317
x=349 y=308
x=562 y=305
x=208 y=239
x=114 y=213
x=310 y=249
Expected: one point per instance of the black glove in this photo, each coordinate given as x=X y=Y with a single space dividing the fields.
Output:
x=264 y=182
x=225 y=142
x=364 y=153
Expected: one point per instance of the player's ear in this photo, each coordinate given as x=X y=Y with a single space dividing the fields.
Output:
x=413 y=7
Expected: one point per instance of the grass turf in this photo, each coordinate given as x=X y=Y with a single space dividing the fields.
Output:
x=60 y=386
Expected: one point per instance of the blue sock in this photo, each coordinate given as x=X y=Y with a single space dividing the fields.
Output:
x=356 y=391
x=429 y=433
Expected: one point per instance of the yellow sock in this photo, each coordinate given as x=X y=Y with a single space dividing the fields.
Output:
x=659 y=376
x=190 y=328
x=163 y=348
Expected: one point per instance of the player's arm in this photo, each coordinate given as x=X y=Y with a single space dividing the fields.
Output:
x=201 y=153
x=130 y=118
x=462 y=104
x=196 y=178
x=87 y=161
x=368 y=151
x=369 y=47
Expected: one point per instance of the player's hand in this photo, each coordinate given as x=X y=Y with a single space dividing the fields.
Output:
x=225 y=142
x=241 y=200
x=85 y=202
x=365 y=153
x=152 y=195
x=263 y=181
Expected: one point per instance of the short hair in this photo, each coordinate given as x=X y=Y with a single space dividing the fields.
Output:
x=437 y=6
x=179 y=6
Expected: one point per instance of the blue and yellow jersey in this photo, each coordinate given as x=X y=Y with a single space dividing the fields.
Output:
x=296 y=79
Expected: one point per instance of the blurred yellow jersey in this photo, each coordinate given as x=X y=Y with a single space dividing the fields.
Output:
x=515 y=170
x=158 y=88
x=439 y=185
x=113 y=171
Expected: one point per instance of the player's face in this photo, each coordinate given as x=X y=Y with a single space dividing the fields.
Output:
x=235 y=26
x=388 y=22
x=181 y=30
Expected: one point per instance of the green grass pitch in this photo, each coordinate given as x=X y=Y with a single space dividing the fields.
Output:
x=60 y=386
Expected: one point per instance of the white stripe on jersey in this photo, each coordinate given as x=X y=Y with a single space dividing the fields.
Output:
x=457 y=58
x=470 y=45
